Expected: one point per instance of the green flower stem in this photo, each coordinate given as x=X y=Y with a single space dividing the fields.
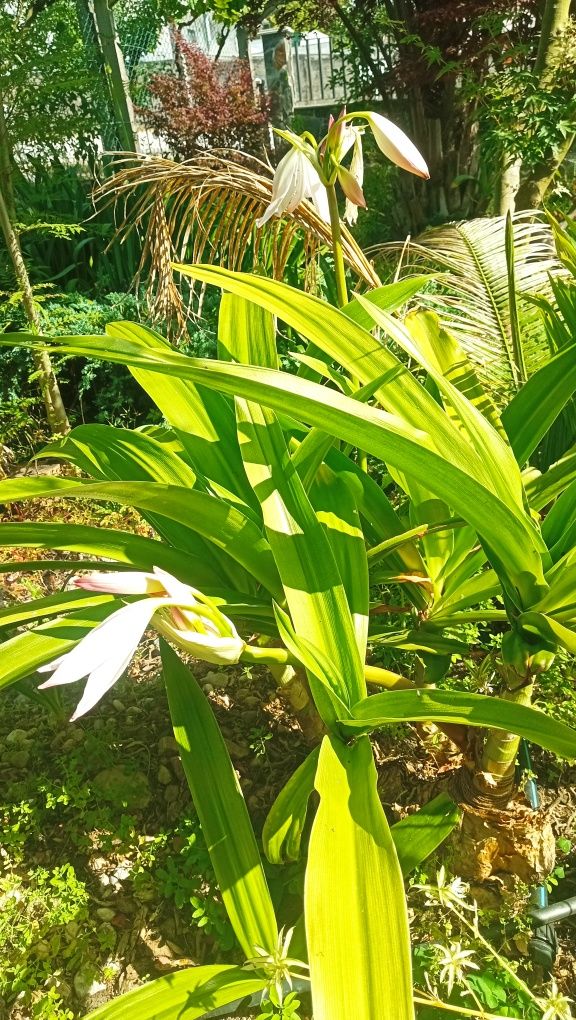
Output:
x=267 y=655
x=460 y=1010
x=339 y=268
x=340 y=274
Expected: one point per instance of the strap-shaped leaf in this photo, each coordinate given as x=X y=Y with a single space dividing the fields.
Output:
x=444 y=352
x=516 y=547
x=467 y=709
x=203 y=419
x=354 y=348
x=418 y=835
x=282 y=832
x=122 y=547
x=188 y=994
x=389 y=297
x=536 y=406
x=306 y=563
x=108 y=453
x=499 y=470
x=333 y=497
x=52 y=605
x=221 y=809
x=355 y=909
x=544 y=488
x=224 y=526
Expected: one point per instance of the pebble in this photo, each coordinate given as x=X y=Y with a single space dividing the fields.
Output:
x=252 y=701
x=85 y=983
x=121 y=787
x=216 y=679
x=237 y=750
x=177 y=768
x=121 y=873
x=167 y=745
x=164 y=775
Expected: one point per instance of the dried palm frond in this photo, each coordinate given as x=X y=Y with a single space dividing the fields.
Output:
x=472 y=298
x=204 y=210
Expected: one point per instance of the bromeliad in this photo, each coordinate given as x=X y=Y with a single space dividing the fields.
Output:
x=181 y=613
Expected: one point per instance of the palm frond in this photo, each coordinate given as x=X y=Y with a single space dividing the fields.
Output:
x=473 y=299
x=204 y=210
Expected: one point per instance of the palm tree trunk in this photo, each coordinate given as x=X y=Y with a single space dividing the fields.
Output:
x=55 y=411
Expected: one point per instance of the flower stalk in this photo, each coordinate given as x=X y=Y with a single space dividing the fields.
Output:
x=339 y=267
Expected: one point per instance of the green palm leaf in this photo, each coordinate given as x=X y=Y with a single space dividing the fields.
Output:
x=474 y=303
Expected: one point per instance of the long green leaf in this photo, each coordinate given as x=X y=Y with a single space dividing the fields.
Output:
x=187 y=994
x=223 y=525
x=221 y=809
x=389 y=297
x=282 y=832
x=356 y=917
x=418 y=835
x=515 y=544
x=118 y=546
x=202 y=419
x=536 y=406
x=466 y=709
x=355 y=349
x=499 y=469
x=306 y=563
x=52 y=605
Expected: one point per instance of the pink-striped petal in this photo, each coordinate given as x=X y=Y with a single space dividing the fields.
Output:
x=130 y=582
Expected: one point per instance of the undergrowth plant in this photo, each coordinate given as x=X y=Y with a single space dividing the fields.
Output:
x=271 y=533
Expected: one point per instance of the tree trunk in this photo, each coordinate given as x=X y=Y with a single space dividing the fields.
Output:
x=509 y=184
x=55 y=411
x=502 y=834
x=554 y=22
x=495 y=779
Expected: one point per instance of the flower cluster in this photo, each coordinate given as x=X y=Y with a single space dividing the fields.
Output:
x=181 y=613
x=309 y=168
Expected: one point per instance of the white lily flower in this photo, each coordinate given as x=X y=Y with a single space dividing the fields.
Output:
x=392 y=141
x=180 y=612
x=294 y=180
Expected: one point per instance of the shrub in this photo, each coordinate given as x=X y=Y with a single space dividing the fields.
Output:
x=205 y=107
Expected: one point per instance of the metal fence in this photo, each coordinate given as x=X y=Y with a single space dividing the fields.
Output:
x=319 y=71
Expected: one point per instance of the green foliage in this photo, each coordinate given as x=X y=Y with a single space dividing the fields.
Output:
x=38 y=921
x=49 y=50
x=522 y=116
x=274 y=1009
x=245 y=487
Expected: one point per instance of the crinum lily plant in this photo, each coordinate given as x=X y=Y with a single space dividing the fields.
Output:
x=267 y=523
